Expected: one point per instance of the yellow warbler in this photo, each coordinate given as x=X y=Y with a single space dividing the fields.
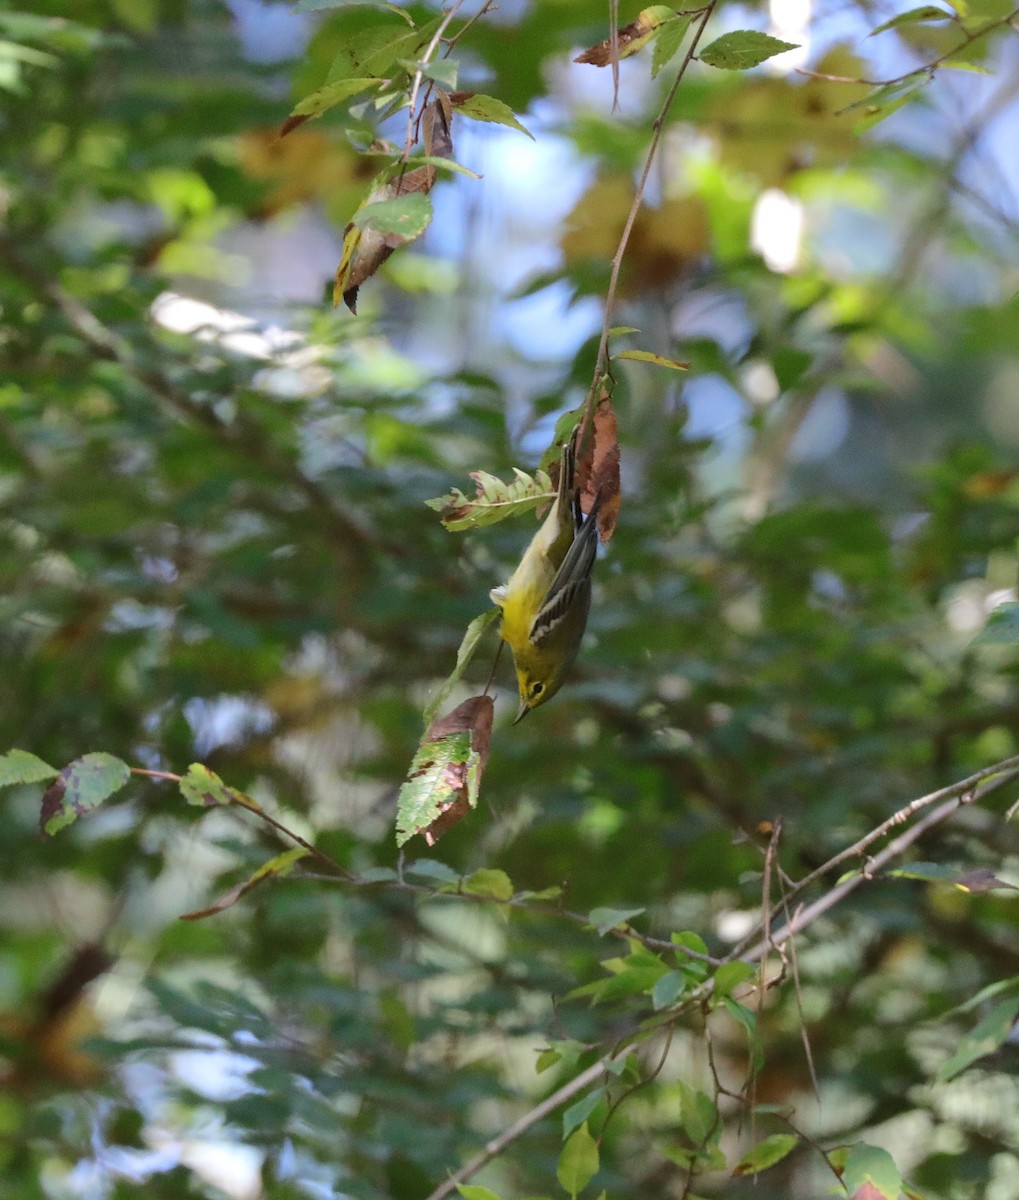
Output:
x=546 y=602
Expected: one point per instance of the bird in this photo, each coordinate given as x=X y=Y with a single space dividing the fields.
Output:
x=546 y=602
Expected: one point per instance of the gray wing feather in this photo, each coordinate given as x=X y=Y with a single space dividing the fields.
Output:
x=572 y=582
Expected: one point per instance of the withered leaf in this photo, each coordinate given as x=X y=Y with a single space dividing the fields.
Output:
x=445 y=775
x=631 y=38
x=366 y=246
x=598 y=466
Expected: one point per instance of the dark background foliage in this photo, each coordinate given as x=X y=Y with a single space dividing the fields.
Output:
x=213 y=548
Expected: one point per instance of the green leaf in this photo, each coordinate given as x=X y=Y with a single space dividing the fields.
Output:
x=331 y=94
x=698 y=1115
x=767 y=1153
x=489 y=882
x=658 y=360
x=276 y=867
x=403 y=217
x=377 y=48
x=204 y=788
x=19 y=766
x=986 y=1036
x=547 y=1058
x=927 y=12
x=490 y=110
x=430 y=868
x=871 y=1165
x=729 y=976
x=442 y=71
x=494 y=501
x=668 y=40
x=743 y=49
x=471 y=1191
x=1002 y=628
x=468 y=647
x=605 y=920
x=578 y=1113
x=81 y=786
x=668 y=989
x=578 y=1161
x=690 y=940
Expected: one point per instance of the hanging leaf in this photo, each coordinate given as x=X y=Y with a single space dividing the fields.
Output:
x=598 y=466
x=396 y=211
x=494 y=500
x=743 y=49
x=275 y=868
x=18 y=766
x=81 y=786
x=631 y=38
x=578 y=1161
x=487 y=108
x=470 y=643
x=445 y=774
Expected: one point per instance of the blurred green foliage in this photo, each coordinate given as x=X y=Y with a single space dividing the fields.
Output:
x=218 y=554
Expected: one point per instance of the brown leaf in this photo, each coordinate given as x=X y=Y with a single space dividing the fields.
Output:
x=52 y=802
x=598 y=466
x=473 y=716
x=365 y=250
x=629 y=40
x=291 y=123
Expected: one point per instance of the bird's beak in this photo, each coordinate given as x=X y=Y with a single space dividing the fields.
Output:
x=523 y=711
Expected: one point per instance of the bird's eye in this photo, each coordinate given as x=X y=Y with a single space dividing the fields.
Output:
x=536 y=690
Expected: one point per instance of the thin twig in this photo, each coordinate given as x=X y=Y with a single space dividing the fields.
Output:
x=601 y=360
x=1008 y=769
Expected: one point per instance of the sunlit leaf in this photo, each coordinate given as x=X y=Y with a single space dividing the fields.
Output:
x=488 y=109
x=743 y=49
x=494 y=500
